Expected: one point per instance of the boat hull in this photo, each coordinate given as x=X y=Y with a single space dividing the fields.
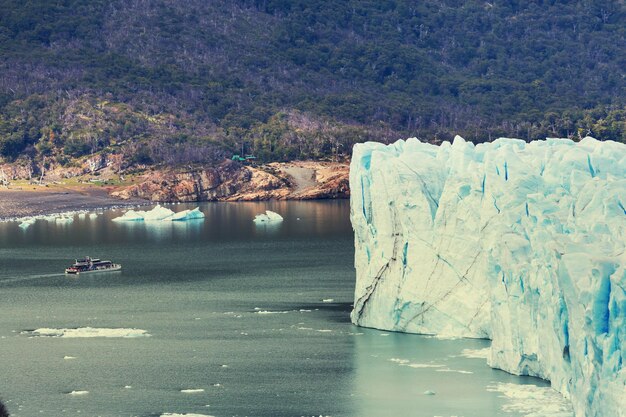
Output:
x=114 y=268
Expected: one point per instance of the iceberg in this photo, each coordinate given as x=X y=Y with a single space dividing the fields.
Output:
x=521 y=243
x=188 y=215
x=268 y=217
x=130 y=216
x=160 y=213
x=27 y=222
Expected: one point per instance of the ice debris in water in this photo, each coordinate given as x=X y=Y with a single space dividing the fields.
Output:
x=476 y=353
x=188 y=215
x=160 y=213
x=84 y=332
x=27 y=222
x=184 y=415
x=78 y=392
x=65 y=219
x=521 y=243
x=268 y=217
x=533 y=401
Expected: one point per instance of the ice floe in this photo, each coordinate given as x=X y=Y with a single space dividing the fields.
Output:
x=86 y=332
x=130 y=216
x=268 y=217
x=454 y=370
x=476 y=353
x=27 y=222
x=532 y=400
x=159 y=214
x=271 y=312
x=184 y=415
x=188 y=215
x=78 y=392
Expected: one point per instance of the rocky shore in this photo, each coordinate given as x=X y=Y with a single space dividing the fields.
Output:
x=103 y=186
x=231 y=181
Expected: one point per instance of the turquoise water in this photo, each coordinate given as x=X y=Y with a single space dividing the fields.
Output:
x=203 y=290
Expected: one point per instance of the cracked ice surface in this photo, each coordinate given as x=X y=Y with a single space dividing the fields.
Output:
x=522 y=243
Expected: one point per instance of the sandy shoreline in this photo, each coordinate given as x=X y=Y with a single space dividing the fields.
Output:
x=15 y=203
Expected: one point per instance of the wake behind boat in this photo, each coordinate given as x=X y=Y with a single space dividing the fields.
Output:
x=87 y=265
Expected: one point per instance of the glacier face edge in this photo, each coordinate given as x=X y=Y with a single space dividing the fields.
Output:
x=522 y=243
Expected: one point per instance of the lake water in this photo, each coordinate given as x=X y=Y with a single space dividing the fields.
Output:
x=243 y=321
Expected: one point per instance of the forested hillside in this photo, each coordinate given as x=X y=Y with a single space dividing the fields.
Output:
x=180 y=81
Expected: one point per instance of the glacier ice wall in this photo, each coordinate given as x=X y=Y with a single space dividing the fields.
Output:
x=522 y=243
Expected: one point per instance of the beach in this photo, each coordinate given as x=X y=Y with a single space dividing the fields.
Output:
x=25 y=202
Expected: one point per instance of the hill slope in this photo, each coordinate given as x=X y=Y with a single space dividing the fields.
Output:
x=176 y=81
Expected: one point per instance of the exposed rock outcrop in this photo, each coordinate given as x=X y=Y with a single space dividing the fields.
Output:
x=232 y=181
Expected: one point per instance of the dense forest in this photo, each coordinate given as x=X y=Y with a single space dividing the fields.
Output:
x=183 y=81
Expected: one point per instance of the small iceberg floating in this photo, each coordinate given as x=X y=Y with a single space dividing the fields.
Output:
x=188 y=215
x=268 y=217
x=64 y=219
x=160 y=214
x=130 y=216
x=26 y=223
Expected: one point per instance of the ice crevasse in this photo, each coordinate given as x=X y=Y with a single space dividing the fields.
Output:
x=522 y=243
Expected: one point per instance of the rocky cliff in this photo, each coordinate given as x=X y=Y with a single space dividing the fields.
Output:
x=232 y=181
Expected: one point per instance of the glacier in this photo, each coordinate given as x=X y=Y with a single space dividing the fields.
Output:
x=521 y=243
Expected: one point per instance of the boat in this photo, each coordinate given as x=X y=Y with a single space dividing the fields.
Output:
x=88 y=265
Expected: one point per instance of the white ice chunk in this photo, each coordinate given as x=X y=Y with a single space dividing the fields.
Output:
x=84 y=332
x=27 y=222
x=158 y=213
x=188 y=215
x=184 y=415
x=130 y=216
x=268 y=217
x=78 y=392
x=476 y=353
